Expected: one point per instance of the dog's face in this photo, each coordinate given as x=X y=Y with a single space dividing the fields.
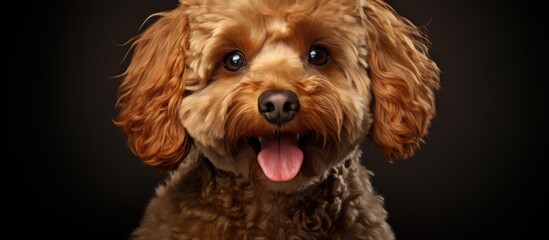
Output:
x=277 y=91
x=274 y=87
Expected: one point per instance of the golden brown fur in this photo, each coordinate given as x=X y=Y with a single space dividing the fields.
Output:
x=182 y=110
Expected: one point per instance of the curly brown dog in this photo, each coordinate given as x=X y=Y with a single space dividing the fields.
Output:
x=259 y=108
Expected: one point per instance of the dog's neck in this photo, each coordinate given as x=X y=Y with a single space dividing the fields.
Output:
x=232 y=194
x=210 y=193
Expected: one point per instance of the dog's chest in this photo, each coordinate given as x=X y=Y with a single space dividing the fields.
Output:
x=229 y=208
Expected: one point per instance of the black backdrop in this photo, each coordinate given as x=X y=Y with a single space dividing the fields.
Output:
x=479 y=176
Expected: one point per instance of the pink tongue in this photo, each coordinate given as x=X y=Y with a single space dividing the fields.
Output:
x=280 y=158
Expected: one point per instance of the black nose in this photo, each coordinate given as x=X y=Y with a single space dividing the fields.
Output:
x=278 y=107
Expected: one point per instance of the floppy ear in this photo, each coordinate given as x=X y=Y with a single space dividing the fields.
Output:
x=151 y=91
x=403 y=77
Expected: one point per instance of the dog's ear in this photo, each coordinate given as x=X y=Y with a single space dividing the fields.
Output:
x=403 y=77
x=151 y=91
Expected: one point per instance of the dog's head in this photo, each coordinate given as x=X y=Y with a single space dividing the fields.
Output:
x=277 y=91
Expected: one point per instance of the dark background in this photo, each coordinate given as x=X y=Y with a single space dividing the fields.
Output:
x=479 y=176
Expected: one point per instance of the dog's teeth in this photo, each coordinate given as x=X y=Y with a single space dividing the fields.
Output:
x=259 y=138
x=297 y=137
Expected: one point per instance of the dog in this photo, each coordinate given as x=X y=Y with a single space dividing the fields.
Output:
x=257 y=109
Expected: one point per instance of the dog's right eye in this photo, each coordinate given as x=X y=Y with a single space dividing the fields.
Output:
x=234 y=61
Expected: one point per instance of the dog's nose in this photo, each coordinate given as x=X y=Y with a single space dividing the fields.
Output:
x=278 y=107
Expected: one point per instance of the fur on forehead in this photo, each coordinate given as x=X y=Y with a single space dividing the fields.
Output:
x=218 y=27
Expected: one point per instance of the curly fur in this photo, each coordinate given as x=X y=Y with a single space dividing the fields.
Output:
x=183 y=112
x=202 y=202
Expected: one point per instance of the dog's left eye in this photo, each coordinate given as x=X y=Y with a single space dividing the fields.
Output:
x=318 y=56
x=234 y=61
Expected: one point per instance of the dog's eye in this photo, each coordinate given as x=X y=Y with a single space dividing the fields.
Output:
x=318 y=56
x=234 y=61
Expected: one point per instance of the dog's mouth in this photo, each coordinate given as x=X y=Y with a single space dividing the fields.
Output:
x=280 y=156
